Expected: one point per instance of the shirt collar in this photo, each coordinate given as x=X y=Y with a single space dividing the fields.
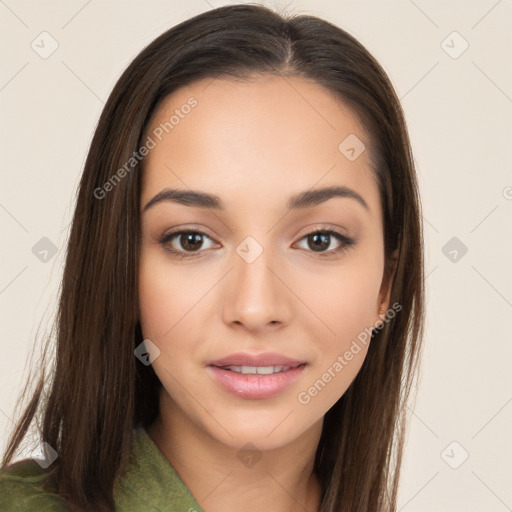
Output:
x=151 y=481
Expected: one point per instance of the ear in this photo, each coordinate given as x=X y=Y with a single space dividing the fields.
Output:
x=385 y=288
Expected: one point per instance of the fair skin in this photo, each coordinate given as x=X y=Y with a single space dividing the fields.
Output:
x=255 y=144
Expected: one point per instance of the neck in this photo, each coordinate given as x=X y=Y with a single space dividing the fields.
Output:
x=223 y=477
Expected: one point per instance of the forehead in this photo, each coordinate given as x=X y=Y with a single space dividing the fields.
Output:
x=269 y=134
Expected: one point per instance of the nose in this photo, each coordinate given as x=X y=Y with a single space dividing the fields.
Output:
x=254 y=296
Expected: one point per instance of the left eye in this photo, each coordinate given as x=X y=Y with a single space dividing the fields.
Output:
x=320 y=241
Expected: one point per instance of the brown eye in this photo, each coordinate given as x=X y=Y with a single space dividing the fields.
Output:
x=183 y=242
x=319 y=242
x=190 y=241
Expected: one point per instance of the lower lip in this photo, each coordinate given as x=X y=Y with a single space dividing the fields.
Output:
x=254 y=387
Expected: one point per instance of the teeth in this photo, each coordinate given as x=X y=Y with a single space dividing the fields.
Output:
x=260 y=370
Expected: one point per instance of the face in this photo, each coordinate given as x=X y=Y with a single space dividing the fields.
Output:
x=258 y=268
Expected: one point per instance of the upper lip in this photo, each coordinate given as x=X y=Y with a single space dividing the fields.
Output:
x=264 y=359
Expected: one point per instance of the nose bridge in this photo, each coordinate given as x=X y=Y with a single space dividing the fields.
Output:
x=255 y=297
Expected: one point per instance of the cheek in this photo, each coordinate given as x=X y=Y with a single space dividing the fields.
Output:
x=156 y=303
x=344 y=308
x=354 y=315
x=342 y=303
x=353 y=307
x=172 y=314
x=165 y=308
x=165 y=297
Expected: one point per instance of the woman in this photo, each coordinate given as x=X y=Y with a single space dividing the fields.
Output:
x=242 y=303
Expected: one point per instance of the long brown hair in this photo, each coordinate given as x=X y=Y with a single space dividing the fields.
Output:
x=98 y=390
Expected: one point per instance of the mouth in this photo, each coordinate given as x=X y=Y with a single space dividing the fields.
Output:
x=255 y=382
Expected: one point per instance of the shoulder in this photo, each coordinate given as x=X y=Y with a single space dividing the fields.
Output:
x=24 y=487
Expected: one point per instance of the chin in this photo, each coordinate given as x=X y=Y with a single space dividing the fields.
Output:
x=267 y=435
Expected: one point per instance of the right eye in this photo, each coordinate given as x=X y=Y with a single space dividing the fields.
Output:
x=183 y=242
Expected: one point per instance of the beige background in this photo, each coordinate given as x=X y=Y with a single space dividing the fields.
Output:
x=458 y=111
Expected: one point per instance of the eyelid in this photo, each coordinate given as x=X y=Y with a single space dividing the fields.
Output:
x=316 y=227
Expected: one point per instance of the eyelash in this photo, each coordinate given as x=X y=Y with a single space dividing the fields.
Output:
x=346 y=243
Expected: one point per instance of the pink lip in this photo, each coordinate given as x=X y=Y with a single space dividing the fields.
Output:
x=264 y=359
x=253 y=386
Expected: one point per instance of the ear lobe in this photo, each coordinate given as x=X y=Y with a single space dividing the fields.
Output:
x=387 y=285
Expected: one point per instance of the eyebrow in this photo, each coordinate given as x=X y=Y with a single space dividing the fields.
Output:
x=304 y=199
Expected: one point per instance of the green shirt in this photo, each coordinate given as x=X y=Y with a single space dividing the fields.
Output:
x=150 y=485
